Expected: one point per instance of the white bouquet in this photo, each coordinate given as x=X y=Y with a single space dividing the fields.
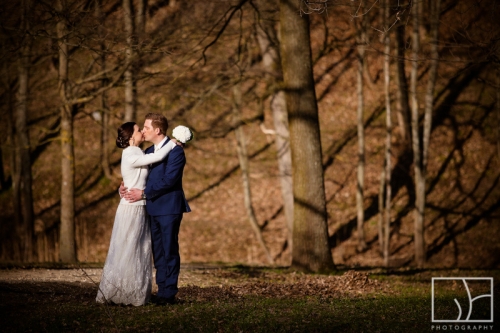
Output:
x=182 y=134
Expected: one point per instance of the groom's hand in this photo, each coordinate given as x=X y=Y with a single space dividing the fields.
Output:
x=133 y=195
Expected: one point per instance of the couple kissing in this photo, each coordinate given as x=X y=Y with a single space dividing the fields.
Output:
x=148 y=217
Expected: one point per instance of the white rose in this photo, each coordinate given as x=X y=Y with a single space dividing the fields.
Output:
x=182 y=134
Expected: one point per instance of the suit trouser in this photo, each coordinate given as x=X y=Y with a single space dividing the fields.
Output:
x=165 y=242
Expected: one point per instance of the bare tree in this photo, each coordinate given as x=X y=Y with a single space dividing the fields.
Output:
x=421 y=156
x=130 y=73
x=361 y=41
x=381 y=210
x=67 y=246
x=83 y=87
x=269 y=48
x=23 y=159
x=140 y=21
x=431 y=84
x=3 y=182
x=245 y=173
x=103 y=112
x=387 y=173
x=419 y=205
x=9 y=100
x=498 y=115
x=403 y=114
x=311 y=250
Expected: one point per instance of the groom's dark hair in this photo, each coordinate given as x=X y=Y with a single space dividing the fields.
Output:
x=158 y=121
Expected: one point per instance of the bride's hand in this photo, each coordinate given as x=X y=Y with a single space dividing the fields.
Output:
x=122 y=190
x=177 y=142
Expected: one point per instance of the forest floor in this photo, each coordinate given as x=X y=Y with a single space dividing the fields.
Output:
x=216 y=298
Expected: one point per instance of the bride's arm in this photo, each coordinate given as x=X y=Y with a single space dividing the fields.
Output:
x=138 y=160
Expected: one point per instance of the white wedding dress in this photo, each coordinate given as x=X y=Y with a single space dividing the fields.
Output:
x=127 y=274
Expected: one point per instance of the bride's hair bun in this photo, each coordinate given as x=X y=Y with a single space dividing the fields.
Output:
x=125 y=132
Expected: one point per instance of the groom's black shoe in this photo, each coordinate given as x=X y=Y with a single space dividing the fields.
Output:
x=165 y=301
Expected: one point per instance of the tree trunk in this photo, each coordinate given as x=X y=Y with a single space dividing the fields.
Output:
x=431 y=84
x=23 y=145
x=419 y=182
x=106 y=168
x=311 y=251
x=420 y=254
x=140 y=40
x=498 y=115
x=16 y=178
x=268 y=43
x=103 y=105
x=402 y=85
x=67 y=248
x=3 y=182
x=140 y=21
x=4 y=179
x=129 y=76
x=388 y=199
x=284 y=155
x=381 y=210
x=243 y=158
x=360 y=198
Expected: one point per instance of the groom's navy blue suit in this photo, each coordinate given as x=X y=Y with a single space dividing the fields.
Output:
x=165 y=205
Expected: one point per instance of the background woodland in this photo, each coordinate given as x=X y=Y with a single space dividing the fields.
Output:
x=400 y=143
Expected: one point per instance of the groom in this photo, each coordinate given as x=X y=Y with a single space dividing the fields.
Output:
x=165 y=205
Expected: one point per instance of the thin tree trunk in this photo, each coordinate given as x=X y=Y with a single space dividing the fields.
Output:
x=243 y=158
x=361 y=134
x=284 y=156
x=429 y=106
x=67 y=228
x=268 y=43
x=140 y=21
x=429 y=98
x=23 y=144
x=16 y=178
x=140 y=35
x=3 y=182
x=388 y=193
x=8 y=131
x=129 y=76
x=498 y=115
x=311 y=251
x=381 y=210
x=419 y=204
x=106 y=168
x=402 y=85
x=104 y=111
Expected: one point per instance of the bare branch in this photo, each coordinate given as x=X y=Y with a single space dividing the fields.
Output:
x=232 y=11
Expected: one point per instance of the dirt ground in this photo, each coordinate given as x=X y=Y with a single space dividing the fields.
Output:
x=62 y=299
x=242 y=280
x=91 y=276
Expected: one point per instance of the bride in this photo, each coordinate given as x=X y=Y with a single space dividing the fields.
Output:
x=126 y=277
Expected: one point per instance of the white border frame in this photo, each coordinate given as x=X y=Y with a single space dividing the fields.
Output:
x=464 y=279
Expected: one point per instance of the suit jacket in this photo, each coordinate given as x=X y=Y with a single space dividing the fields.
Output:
x=164 y=192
